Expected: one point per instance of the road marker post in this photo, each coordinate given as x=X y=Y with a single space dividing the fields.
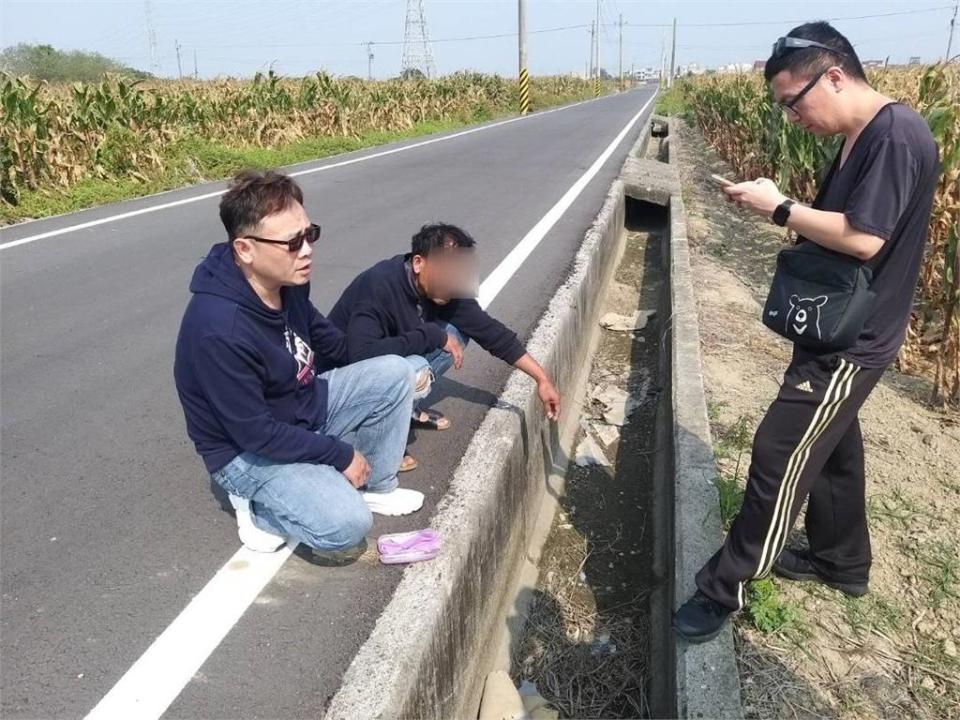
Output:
x=522 y=47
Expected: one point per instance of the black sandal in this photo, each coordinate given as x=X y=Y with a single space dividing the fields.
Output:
x=433 y=421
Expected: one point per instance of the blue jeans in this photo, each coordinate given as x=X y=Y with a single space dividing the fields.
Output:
x=368 y=405
x=438 y=362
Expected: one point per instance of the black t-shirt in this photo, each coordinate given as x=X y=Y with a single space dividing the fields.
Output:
x=886 y=188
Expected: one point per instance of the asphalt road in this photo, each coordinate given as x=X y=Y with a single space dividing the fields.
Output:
x=108 y=525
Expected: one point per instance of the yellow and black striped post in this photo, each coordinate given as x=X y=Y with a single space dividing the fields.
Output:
x=596 y=86
x=524 y=91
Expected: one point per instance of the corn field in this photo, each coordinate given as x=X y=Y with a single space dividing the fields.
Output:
x=737 y=117
x=55 y=136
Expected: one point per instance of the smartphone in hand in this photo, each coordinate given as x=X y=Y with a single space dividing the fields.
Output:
x=721 y=180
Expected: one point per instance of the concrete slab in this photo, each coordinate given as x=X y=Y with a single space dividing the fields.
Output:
x=707 y=683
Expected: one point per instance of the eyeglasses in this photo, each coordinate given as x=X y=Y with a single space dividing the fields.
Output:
x=783 y=44
x=309 y=235
x=789 y=105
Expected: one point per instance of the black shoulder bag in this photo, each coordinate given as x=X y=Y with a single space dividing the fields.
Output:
x=819 y=299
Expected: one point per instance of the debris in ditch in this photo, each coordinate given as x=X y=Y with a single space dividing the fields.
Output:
x=607 y=434
x=501 y=700
x=585 y=642
x=537 y=706
x=627 y=323
x=602 y=645
x=589 y=453
x=617 y=404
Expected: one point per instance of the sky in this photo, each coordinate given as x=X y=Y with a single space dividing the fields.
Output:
x=298 y=37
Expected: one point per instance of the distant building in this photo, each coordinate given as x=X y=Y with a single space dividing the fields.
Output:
x=867 y=64
x=646 y=74
x=734 y=68
x=914 y=60
x=759 y=65
x=691 y=69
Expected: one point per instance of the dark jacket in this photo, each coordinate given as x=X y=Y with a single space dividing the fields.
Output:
x=382 y=314
x=246 y=374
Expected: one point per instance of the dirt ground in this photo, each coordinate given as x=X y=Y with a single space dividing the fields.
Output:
x=585 y=642
x=805 y=651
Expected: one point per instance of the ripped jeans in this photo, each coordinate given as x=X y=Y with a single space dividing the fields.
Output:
x=432 y=366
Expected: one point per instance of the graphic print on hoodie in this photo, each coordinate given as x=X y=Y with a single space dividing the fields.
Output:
x=247 y=375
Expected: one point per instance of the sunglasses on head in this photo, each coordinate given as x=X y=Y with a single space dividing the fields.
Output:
x=783 y=44
x=309 y=235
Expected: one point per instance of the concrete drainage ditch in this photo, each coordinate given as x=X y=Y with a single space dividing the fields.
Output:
x=637 y=516
x=638 y=530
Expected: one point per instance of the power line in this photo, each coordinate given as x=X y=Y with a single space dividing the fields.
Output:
x=394 y=42
x=787 y=22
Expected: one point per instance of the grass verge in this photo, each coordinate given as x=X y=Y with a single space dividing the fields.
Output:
x=194 y=160
x=672 y=101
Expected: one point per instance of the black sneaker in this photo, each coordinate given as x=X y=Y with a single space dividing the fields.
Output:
x=700 y=619
x=795 y=565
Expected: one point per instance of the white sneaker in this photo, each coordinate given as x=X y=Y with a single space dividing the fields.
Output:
x=252 y=537
x=399 y=501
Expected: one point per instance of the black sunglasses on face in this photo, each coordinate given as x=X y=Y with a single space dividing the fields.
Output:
x=789 y=105
x=310 y=235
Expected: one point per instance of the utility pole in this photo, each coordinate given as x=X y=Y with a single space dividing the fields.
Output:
x=196 y=75
x=369 y=61
x=522 y=57
x=151 y=39
x=176 y=44
x=593 y=32
x=597 y=46
x=673 y=55
x=953 y=21
x=663 y=60
x=621 y=53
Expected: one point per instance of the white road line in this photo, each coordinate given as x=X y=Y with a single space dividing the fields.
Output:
x=309 y=171
x=155 y=680
x=508 y=266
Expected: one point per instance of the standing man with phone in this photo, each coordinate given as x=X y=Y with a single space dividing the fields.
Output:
x=874 y=205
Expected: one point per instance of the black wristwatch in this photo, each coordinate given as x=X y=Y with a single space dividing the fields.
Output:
x=782 y=213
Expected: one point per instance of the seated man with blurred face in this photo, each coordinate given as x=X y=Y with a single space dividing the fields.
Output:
x=303 y=454
x=422 y=306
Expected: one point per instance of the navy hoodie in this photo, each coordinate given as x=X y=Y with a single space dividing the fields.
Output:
x=383 y=314
x=246 y=374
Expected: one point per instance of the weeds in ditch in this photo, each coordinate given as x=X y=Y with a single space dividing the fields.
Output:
x=767 y=611
x=896 y=507
x=870 y=613
x=733 y=444
x=731 y=498
x=587 y=660
x=939 y=569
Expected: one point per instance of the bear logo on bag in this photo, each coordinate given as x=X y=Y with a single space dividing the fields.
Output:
x=805 y=313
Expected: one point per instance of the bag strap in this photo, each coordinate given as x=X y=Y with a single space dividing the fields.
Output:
x=827 y=179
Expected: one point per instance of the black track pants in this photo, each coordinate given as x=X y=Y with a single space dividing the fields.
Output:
x=808 y=443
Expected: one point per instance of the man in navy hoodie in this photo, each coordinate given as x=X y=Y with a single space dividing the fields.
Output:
x=302 y=454
x=421 y=306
